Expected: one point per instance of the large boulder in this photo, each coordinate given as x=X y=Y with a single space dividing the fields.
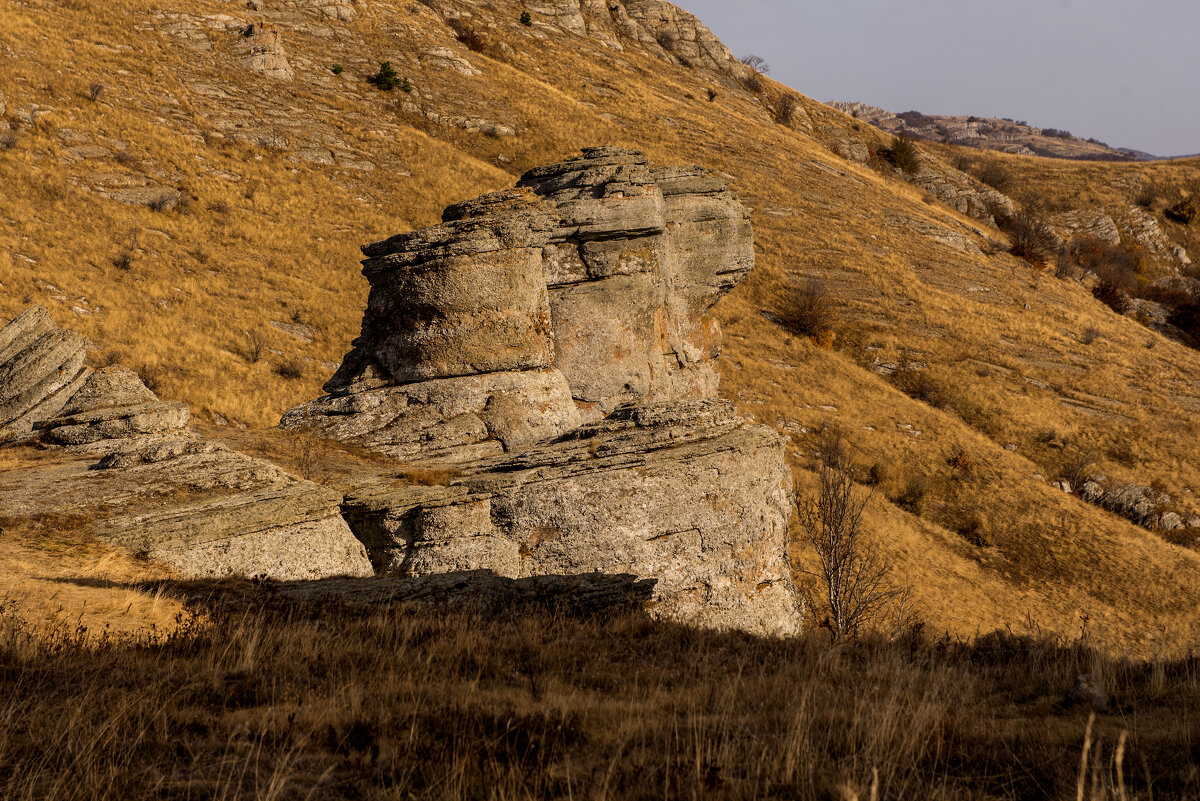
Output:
x=544 y=362
x=595 y=275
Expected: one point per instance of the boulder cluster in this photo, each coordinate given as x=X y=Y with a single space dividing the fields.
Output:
x=539 y=372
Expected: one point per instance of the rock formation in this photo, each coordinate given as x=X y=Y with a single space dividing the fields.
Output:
x=41 y=367
x=242 y=516
x=552 y=343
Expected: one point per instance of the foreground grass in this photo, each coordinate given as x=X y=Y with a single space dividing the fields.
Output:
x=284 y=699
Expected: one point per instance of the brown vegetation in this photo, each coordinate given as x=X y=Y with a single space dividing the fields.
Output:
x=311 y=700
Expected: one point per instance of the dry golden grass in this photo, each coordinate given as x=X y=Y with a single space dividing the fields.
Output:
x=273 y=238
x=282 y=699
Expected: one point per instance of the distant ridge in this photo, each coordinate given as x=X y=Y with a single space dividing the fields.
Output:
x=994 y=133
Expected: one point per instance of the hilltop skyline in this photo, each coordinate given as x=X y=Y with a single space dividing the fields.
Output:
x=1093 y=67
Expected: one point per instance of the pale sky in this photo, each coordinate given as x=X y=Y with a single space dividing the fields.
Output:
x=1126 y=72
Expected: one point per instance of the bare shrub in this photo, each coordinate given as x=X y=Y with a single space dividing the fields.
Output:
x=256 y=345
x=1089 y=335
x=712 y=94
x=855 y=576
x=1077 y=465
x=996 y=176
x=123 y=260
x=808 y=309
x=290 y=369
x=1032 y=239
x=94 y=91
x=1146 y=197
x=757 y=63
x=8 y=140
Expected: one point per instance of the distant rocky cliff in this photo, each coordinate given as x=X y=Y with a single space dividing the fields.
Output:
x=990 y=133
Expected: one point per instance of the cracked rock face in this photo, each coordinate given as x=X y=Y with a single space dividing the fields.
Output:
x=552 y=342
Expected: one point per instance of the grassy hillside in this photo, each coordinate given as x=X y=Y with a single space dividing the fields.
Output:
x=229 y=278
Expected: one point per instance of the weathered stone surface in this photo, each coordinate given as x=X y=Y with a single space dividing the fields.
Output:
x=508 y=409
x=41 y=366
x=687 y=494
x=289 y=533
x=598 y=267
x=112 y=404
x=115 y=422
x=553 y=342
x=261 y=49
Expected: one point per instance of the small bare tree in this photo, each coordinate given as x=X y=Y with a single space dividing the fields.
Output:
x=855 y=575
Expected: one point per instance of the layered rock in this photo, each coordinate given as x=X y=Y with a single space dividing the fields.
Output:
x=553 y=342
x=584 y=289
x=244 y=516
x=41 y=367
x=686 y=494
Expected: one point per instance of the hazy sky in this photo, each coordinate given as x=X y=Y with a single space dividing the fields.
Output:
x=1126 y=72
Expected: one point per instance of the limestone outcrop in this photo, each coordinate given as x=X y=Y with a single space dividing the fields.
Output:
x=241 y=517
x=529 y=311
x=41 y=367
x=552 y=343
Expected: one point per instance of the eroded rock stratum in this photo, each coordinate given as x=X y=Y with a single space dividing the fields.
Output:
x=550 y=344
x=538 y=372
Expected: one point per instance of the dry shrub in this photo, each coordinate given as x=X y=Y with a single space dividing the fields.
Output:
x=973 y=527
x=996 y=176
x=961 y=461
x=468 y=35
x=290 y=369
x=1186 y=211
x=153 y=376
x=911 y=497
x=1031 y=238
x=754 y=82
x=903 y=154
x=1112 y=295
x=920 y=385
x=785 y=110
x=808 y=309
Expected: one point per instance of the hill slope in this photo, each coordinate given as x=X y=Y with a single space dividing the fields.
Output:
x=189 y=183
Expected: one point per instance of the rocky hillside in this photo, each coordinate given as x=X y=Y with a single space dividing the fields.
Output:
x=189 y=182
x=991 y=133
